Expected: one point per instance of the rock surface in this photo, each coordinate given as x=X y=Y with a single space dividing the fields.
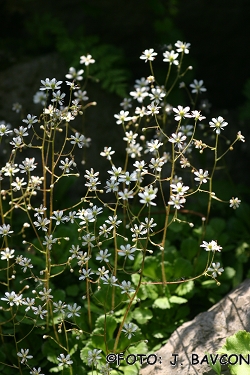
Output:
x=207 y=332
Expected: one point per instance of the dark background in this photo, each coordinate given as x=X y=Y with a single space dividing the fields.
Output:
x=218 y=30
x=219 y=33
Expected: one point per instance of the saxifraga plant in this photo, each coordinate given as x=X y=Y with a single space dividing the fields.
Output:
x=108 y=255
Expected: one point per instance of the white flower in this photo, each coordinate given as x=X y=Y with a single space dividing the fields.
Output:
x=129 y=329
x=27 y=165
x=142 y=82
x=240 y=137
x=73 y=74
x=211 y=246
x=7 y=254
x=30 y=120
x=12 y=298
x=66 y=164
x=140 y=166
x=134 y=150
x=148 y=225
x=88 y=239
x=112 y=220
x=42 y=222
x=107 y=152
x=115 y=173
x=176 y=201
x=126 y=194
x=148 y=195
x=218 y=124
x=5 y=230
x=58 y=216
x=197 y=115
x=45 y=294
x=73 y=310
x=59 y=307
x=197 y=86
x=109 y=280
x=64 y=360
x=216 y=269
x=29 y=302
x=104 y=230
x=171 y=57
x=127 y=178
x=154 y=145
x=140 y=111
x=122 y=117
x=93 y=356
x=86 y=60
x=40 y=98
x=153 y=109
x=130 y=136
x=157 y=94
x=179 y=188
x=235 y=202
x=103 y=255
x=111 y=185
x=10 y=169
x=25 y=263
x=21 y=131
x=86 y=274
x=156 y=164
x=4 y=129
x=18 y=183
x=35 y=371
x=138 y=231
x=126 y=287
x=201 y=176
x=126 y=103
x=81 y=95
x=178 y=139
x=181 y=112
x=182 y=47
x=148 y=55
x=127 y=251
x=24 y=355
x=80 y=140
x=52 y=84
x=58 y=97
x=140 y=94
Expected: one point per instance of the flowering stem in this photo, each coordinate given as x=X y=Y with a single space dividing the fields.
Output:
x=211 y=179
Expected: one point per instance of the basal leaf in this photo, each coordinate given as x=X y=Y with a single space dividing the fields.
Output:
x=161 y=303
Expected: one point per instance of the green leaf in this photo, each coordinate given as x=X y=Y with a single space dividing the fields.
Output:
x=130 y=370
x=238 y=344
x=59 y=295
x=142 y=315
x=177 y=300
x=182 y=268
x=208 y=284
x=189 y=248
x=108 y=323
x=49 y=349
x=161 y=303
x=216 y=367
x=72 y=290
x=151 y=268
x=185 y=289
x=141 y=347
x=217 y=224
x=228 y=273
x=176 y=227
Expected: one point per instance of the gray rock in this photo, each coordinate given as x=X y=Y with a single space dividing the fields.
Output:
x=207 y=332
